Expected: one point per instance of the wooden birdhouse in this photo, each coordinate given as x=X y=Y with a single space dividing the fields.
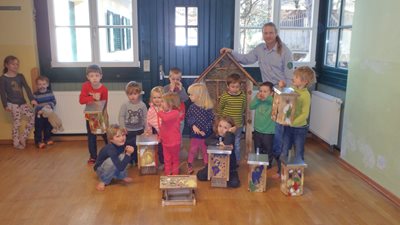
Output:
x=178 y=190
x=215 y=79
x=257 y=176
x=97 y=116
x=284 y=105
x=292 y=176
x=218 y=165
x=147 y=153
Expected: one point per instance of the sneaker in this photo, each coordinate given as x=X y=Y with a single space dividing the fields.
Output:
x=50 y=142
x=190 y=170
x=91 y=161
x=41 y=145
x=161 y=167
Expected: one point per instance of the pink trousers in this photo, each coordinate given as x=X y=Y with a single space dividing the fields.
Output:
x=197 y=143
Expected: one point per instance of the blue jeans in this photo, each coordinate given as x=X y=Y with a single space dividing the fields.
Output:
x=107 y=171
x=236 y=147
x=294 y=136
x=278 y=140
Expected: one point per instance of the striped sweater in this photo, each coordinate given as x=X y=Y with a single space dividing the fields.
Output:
x=43 y=99
x=233 y=106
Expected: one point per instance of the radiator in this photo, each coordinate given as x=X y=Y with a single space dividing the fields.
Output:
x=325 y=116
x=71 y=112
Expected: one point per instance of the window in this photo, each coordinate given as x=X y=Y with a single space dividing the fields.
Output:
x=295 y=19
x=186 y=26
x=338 y=33
x=85 y=31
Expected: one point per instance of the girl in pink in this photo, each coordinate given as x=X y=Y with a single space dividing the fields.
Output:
x=170 y=134
x=199 y=119
x=153 y=119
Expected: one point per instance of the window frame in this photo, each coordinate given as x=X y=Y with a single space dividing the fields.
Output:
x=340 y=28
x=276 y=17
x=94 y=37
x=187 y=26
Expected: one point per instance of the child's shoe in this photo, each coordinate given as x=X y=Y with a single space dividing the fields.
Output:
x=50 y=142
x=41 y=145
x=127 y=180
x=161 y=167
x=91 y=161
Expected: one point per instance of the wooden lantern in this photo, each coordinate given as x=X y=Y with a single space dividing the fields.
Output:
x=215 y=79
x=292 y=176
x=96 y=114
x=257 y=177
x=284 y=105
x=147 y=153
x=218 y=165
x=178 y=190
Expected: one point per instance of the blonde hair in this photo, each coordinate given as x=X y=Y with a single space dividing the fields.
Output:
x=201 y=91
x=113 y=130
x=133 y=87
x=156 y=89
x=172 y=99
x=306 y=74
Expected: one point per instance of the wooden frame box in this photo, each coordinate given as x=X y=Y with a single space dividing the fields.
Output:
x=284 y=105
x=218 y=165
x=292 y=176
x=97 y=116
x=257 y=177
x=178 y=190
x=214 y=76
x=147 y=153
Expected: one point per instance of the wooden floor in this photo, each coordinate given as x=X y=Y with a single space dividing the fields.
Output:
x=55 y=186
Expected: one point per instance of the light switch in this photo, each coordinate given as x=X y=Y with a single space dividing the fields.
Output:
x=146 y=65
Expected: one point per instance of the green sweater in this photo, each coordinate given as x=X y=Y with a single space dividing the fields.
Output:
x=262 y=115
x=302 y=107
x=233 y=106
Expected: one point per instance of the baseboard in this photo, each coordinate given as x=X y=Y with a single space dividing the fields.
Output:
x=57 y=138
x=389 y=195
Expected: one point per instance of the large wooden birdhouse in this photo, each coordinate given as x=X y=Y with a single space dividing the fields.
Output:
x=215 y=79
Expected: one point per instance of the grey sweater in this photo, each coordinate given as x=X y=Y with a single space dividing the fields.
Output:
x=11 y=90
x=133 y=117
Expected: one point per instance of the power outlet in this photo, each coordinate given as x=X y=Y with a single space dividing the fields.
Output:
x=146 y=65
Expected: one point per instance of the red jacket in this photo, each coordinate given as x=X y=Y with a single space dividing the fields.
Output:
x=87 y=92
x=170 y=133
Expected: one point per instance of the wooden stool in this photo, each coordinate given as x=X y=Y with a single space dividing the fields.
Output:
x=178 y=190
x=257 y=177
x=292 y=176
x=218 y=165
x=147 y=153
x=97 y=117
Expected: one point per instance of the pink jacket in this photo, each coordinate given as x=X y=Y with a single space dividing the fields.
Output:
x=170 y=133
x=153 y=119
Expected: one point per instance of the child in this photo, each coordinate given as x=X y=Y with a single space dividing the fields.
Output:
x=199 y=119
x=12 y=84
x=224 y=129
x=233 y=103
x=295 y=134
x=132 y=115
x=44 y=98
x=153 y=119
x=170 y=134
x=175 y=86
x=113 y=158
x=264 y=126
x=93 y=90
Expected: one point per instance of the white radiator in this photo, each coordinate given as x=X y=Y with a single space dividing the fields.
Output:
x=71 y=112
x=325 y=116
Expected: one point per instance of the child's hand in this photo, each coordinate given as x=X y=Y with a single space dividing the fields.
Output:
x=129 y=150
x=282 y=84
x=96 y=96
x=232 y=129
x=221 y=143
x=178 y=85
x=8 y=109
x=196 y=130
x=260 y=96
x=34 y=102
